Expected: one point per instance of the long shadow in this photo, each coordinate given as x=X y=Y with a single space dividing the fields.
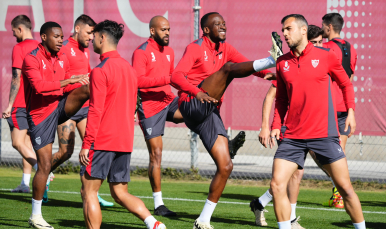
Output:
x=369 y=225
x=373 y=204
x=6 y=222
x=231 y=196
x=70 y=223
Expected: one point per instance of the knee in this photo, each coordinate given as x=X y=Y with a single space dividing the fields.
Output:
x=278 y=187
x=227 y=169
x=296 y=177
x=17 y=145
x=156 y=156
x=346 y=190
x=86 y=90
x=45 y=167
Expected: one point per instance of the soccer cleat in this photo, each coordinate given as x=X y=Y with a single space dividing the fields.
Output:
x=236 y=143
x=164 y=211
x=49 y=179
x=276 y=49
x=295 y=224
x=336 y=200
x=104 y=203
x=258 y=210
x=45 y=195
x=200 y=225
x=37 y=221
x=159 y=225
x=21 y=189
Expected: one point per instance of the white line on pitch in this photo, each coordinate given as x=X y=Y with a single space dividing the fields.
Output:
x=223 y=202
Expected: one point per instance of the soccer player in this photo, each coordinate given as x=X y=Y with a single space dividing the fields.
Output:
x=299 y=72
x=15 y=113
x=201 y=77
x=51 y=99
x=108 y=143
x=332 y=25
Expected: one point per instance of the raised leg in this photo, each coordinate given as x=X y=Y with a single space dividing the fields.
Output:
x=75 y=100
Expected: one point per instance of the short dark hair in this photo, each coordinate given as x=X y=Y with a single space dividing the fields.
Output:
x=314 y=32
x=298 y=17
x=48 y=25
x=334 y=19
x=21 y=20
x=204 y=19
x=84 y=19
x=111 y=28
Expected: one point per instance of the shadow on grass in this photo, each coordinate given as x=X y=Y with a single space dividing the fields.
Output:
x=369 y=225
x=230 y=196
x=70 y=223
x=7 y=222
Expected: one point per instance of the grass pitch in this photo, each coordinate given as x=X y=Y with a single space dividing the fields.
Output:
x=64 y=209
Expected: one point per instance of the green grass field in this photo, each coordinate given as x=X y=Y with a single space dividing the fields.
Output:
x=64 y=209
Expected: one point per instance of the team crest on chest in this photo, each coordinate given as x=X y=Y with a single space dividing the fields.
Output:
x=44 y=65
x=61 y=63
x=152 y=57
x=220 y=56
x=168 y=56
x=73 y=52
x=315 y=63
x=286 y=67
x=205 y=56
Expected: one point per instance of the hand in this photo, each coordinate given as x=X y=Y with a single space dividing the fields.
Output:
x=7 y=112
x=83 y=157
x=264 y=136
x=203 y=97
x=350 y=121
x=135 y=118
x=270 y=76
x=82 y=79
x=275 y=133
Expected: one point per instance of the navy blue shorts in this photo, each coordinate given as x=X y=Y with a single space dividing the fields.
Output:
x=80 y=115
x=113 y=165
x=342 y=116
x=44 y=133
x=204 y=119
x=327 y=150
x=154 y=126
x=18 y=119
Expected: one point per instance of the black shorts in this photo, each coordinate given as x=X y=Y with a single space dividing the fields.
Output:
x=154 y=126
x=80 y=115
x=18 y=119
x=327 y=150
x=113 y=165
x=204 y=119
x=342 y=116
x=44 y=133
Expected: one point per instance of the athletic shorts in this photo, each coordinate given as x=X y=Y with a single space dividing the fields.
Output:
x=44 y=133
x=80 y=115
x=113 y=165
x=18 y=119
x=327 y=150
x=204 y=119
x=342 y=116
x=282 y=132
x=154 y=126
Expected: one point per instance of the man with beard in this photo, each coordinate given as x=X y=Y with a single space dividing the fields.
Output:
x=53 y=96
x=16 y=113
x=299 y=72
x=202 y=77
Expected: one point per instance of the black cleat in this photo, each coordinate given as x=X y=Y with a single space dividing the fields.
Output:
x=162 y=210
x=276 y=50
x=236 y=143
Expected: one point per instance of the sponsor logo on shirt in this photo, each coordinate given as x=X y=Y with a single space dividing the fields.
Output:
x=168 y=56
x=286 y=67
x=44 y=65
x=61 y=63
x=148 y=130
x=86 y=55
x=315 y=63
x=152 y=57
x=73 y=52
x=205 y=56
x=38 y=140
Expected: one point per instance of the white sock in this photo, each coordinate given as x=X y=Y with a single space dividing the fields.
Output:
x=36 y=207
x=150 y=221
x=332 y=182
x=293 y=212
x=263 y=64
x=285 y=224
x=157 y=196
x=265 y=199
x=361 y=225
x=207 y=212
x=26 y=178
x=35 y=166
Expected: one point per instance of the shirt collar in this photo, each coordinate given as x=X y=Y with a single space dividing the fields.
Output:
x=212 y=45
x=155 y=45
x=308 y=48
x=109 y=54
x=47 y=54
x=75 y=43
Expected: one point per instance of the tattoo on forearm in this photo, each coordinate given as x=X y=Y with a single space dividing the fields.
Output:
x=15 y=84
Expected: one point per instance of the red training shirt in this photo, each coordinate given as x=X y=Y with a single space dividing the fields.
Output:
x=340 y=105
x=18 y=54
x=78 y=56
x=113 y=97
x=304 y=90
x=154 y=65
x=201 y=60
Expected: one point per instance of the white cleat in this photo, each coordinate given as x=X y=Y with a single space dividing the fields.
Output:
x=37 y=221
x=276 y=50
x=159 y=225
x=50 y=178
x=21 y=189
x=200 y=225
x=296 y=225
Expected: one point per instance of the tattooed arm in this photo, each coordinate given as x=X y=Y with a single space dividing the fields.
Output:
x=15 y=85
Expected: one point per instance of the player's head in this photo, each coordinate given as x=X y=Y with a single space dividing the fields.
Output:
x=52 y=36
x=83 y=30
x=314 y=34
x=107 y=33
x=332 y=23
x=159 y=30
x=213 y=26
x=294 y=29
x=20 y=24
